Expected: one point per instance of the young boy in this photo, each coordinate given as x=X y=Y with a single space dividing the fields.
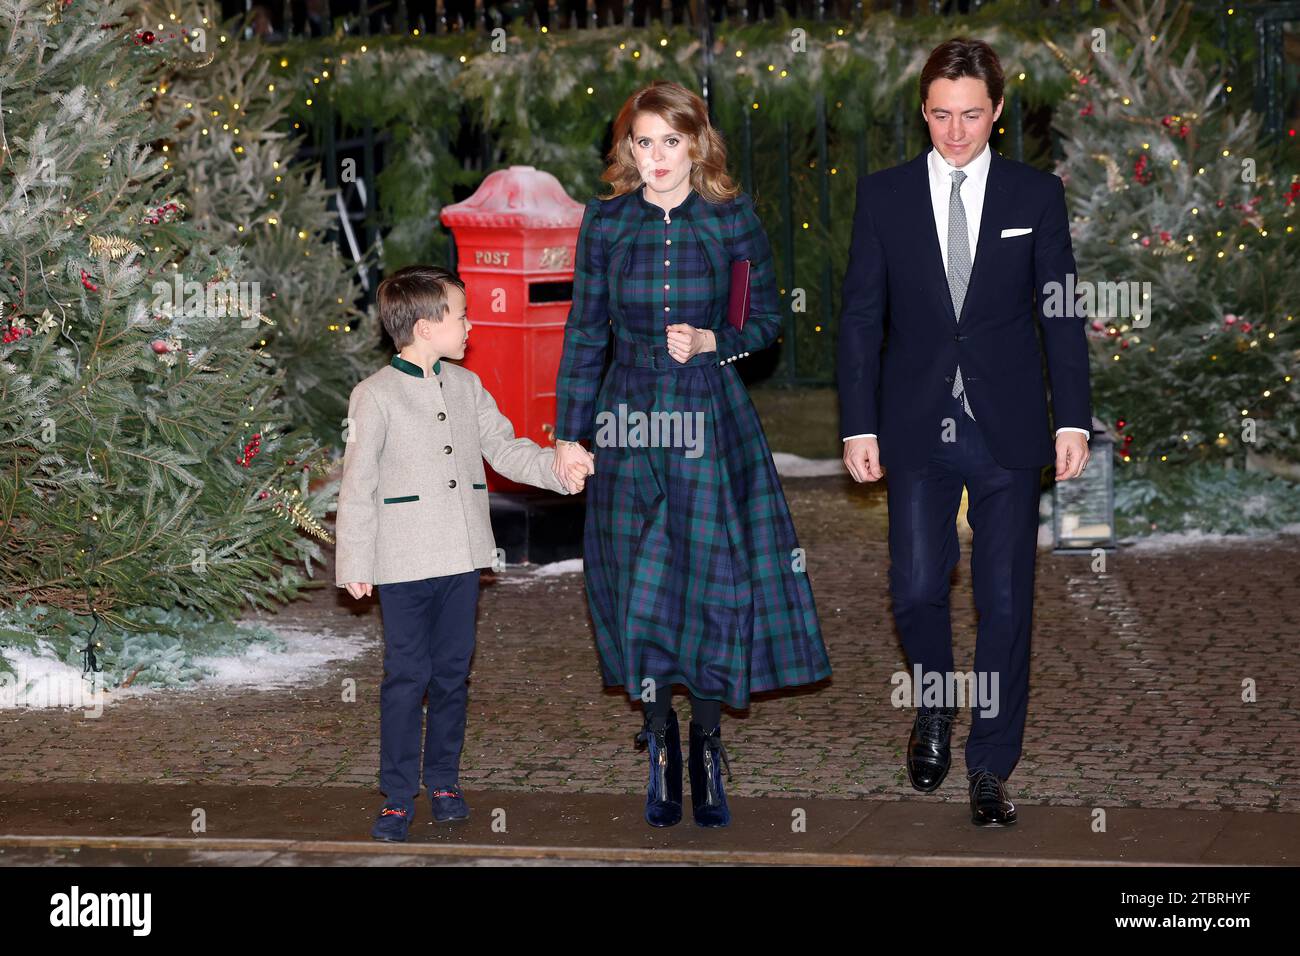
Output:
x=413 y=520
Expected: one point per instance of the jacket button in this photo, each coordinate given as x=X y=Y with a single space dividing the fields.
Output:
x=446 y=449
x=442 y=416
x=958 y=338
x=452 y=483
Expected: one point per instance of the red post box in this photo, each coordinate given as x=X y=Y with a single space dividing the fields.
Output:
x=515 y=241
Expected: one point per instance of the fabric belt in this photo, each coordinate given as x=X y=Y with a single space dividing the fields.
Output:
x=656 y=356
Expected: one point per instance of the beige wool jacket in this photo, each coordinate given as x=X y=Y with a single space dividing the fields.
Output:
x=414 y=502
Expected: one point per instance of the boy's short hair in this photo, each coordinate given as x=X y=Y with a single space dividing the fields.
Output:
x=411 y=294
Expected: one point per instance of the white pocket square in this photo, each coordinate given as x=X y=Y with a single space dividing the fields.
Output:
x=1017 y=232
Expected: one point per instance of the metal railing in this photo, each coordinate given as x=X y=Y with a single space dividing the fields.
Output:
x=1252 y=37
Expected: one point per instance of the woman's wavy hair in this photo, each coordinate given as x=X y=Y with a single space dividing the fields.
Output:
x=686 y=113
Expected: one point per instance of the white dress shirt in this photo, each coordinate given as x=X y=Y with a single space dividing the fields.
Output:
x=972 y=198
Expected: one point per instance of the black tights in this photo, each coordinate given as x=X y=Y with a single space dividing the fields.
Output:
x=707 y=713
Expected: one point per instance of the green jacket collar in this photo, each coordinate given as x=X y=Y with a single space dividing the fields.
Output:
x=410 y=368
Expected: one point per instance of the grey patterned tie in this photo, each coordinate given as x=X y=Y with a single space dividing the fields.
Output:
x=958 y=268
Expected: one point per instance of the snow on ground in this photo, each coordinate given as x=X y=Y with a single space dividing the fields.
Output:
x=571 y=566
x=1172 y=540
x=793 y=466
x=305 y=654
x=523 y=573
x=42 y=680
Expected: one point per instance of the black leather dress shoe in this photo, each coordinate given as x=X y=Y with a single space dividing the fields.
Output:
x=989 y=806
x=929 y=754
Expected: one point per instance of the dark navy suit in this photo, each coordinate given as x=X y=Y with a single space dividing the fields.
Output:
x=899 y=345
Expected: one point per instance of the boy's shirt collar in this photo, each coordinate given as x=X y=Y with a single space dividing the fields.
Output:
x=410 y=368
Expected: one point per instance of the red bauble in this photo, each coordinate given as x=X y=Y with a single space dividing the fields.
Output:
x=160 y=347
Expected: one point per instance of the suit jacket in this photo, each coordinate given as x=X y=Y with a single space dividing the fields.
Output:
x=900 y=341
x=414 y=503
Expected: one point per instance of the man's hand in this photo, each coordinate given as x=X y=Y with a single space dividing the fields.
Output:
x=1071 y=455
x=570 y=460
x=359 y=589
x=862 y=459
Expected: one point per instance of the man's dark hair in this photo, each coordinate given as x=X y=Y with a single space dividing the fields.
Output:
x=962 y=56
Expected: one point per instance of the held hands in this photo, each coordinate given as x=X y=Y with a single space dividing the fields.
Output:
x=572 y=465
x=1071 y=455
x=359 y=589
x=862 y=459
x=685 y=341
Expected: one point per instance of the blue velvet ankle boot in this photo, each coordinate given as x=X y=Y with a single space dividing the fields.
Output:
x=708 y=757
x=663 y=800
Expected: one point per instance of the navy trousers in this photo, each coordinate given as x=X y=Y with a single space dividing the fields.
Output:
x=428 y=643
x=923 y=551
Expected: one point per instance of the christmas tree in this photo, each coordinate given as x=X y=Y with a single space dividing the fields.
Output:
x=231 y=146
x=148 y=459
x=1184 y=220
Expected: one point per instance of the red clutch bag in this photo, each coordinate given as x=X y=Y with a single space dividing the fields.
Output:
x=738 y=303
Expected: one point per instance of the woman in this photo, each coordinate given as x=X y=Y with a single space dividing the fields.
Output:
x=692 y=570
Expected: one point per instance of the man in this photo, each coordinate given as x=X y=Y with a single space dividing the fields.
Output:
x=953 y=262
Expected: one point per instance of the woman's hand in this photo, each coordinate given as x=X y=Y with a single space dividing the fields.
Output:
x=685 y=341
x=577 y=477
x=573 y=462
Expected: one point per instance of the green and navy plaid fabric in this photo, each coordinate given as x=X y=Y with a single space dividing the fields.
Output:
x=691 y=566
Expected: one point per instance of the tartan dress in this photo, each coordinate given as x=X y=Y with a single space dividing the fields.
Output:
x=690 y=553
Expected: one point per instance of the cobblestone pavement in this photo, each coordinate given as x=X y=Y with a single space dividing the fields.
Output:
x=1136 y=694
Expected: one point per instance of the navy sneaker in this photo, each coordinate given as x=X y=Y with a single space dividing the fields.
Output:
x=393 y=822
x=448 y=804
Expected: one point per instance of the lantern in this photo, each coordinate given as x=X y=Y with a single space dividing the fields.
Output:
x=1083 y=508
